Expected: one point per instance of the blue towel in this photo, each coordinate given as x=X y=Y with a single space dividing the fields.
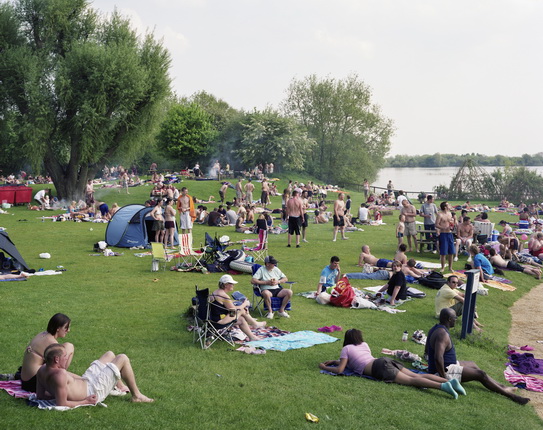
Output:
x=296 y=340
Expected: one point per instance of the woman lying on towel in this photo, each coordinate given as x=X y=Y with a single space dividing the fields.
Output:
x=224 y=311
x=356 y=356
x=58 y=327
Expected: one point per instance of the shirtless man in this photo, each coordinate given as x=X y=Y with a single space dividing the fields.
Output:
x=295 y=213
x=444 y=223
x=410 y=268
x=222 y=191
x=465 y=236
x=339 y=216
x=409 y=211
x=305 y=216
x=249 y=188
x=497 y=261
x=69 y=389
x=158 y=223
x=169 y=223
x=368 y=258
x=400 y=254
x=183 y=206
x=239 y=192
x=265 y=192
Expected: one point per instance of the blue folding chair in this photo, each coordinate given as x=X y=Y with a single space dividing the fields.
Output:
x=258 y=302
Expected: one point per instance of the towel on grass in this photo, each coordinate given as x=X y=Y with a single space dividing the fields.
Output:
x=13 y=279
x=13 y=388
x=531 y=383
x=296 y=340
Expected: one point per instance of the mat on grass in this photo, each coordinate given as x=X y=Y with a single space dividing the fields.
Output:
x=296 y=340
x=494 y=284
x=13 y=388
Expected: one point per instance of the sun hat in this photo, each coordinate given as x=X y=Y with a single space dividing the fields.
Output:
x=227 y=279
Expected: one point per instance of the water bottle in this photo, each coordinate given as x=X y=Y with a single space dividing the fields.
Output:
x=405 y=336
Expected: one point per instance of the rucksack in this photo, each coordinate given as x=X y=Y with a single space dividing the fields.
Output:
x=343 y=294
x=433 y=280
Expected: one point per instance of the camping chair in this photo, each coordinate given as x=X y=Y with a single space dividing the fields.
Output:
x=159 y=256
x=206 y=331
x=260 y=252
x=482 y=231
x=188 y=256
x=258 y=302
x=212 y=248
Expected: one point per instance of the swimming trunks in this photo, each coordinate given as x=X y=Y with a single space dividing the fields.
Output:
x=383 y=262
x=446 y=244
x=101 y=379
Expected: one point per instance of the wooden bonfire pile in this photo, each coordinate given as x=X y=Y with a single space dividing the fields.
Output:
x=471 y=182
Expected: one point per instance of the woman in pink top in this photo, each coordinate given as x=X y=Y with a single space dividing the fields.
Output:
x=356 y=356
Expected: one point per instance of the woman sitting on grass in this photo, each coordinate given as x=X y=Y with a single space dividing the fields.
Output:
x=58 y=327
x=224 y=311
x=356 y=356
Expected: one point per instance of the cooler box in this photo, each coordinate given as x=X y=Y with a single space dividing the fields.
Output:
x=494 y=237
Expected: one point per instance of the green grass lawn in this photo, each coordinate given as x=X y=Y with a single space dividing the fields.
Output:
x=115 y=304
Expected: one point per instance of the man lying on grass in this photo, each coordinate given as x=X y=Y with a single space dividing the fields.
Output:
x=99 y=380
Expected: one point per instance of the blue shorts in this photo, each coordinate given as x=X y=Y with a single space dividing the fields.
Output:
x=383 y=262
x=446 y=244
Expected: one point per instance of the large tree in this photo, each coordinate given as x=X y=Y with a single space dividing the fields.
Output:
x=78 y=89
x=186 y=132
x=352 y=135
x=269 y=137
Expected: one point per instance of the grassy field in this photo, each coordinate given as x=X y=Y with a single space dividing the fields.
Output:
x=117 y=303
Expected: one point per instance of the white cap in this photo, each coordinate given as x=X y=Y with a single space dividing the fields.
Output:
x=227 y=279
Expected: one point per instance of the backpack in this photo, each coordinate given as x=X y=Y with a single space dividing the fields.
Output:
x=433 y=280
x=342 y=294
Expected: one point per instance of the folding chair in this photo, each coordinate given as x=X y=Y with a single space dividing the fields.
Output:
x=482 y=231
x=188 y=256
x=260 y=252
x=258 y=302
x=213 y=248
x=207 y=331
x=159 y=256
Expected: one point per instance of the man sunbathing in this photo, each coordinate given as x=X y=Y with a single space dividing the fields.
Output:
x=10 y=276
x=497 y=261
x=99 y=380
x=367 y=257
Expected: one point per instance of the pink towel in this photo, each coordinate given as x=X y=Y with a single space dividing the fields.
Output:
x=13 y=388
x=514 y=377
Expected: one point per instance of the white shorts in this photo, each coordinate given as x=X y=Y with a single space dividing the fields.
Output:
x=454 y=371
x=101 y=379
x=185 y=221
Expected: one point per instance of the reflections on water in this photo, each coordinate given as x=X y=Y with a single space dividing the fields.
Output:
x=416 y=179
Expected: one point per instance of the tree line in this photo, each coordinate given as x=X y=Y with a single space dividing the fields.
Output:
x=455 y=160
x=79 y=90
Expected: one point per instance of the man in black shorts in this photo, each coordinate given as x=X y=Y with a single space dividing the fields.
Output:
x=295 y=217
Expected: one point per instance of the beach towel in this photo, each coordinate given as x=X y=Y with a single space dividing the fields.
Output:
x=13 y=279
x=530 y=383
x=296 y=340
x=13 y=388
x=428 y=265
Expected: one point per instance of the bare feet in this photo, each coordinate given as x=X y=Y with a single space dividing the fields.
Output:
x=121 y=387
x=141 y=399
x=520 y=400
x=260 y=324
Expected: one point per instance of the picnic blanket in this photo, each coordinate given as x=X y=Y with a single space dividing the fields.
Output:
x=13 y=388
x=296 y=340
x=491 y=283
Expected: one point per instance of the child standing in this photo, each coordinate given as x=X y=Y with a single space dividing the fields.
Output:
x=400 y=230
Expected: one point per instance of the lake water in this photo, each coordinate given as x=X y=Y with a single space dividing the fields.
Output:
x=416 y=179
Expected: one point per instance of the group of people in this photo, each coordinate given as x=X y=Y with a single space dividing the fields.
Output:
x=45 y=371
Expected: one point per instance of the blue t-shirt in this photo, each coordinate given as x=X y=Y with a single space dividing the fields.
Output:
x=479 y=260
x=328 y=277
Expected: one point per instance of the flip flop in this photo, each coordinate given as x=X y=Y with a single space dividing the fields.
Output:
x=325 y=329
x=526 y=348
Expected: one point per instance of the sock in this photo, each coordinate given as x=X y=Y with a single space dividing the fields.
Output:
x=447 y=387
x=457 y=387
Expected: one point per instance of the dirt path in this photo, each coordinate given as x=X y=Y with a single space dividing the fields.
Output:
x=526 y=329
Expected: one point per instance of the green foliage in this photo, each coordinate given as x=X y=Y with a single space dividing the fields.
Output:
x=518 y=184
x=351 y=133
x=186 y=132
x=446 y=160
x=268 y=137
x=80 y=89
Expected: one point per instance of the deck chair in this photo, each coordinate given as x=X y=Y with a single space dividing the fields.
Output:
x=206 y=331
x=258 y=302
x=260 y=252
x=187 y=255
x=159 y=256
x=482 y=231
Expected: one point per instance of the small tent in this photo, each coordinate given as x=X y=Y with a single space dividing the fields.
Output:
x=132 y=226
x=7 y=246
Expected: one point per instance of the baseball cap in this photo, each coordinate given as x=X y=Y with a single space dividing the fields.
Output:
x=227 y=279
x=270 y=259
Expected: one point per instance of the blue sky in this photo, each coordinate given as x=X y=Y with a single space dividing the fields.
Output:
x=455 y=76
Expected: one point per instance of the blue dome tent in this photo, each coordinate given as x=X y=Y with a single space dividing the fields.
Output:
x=132 y=226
